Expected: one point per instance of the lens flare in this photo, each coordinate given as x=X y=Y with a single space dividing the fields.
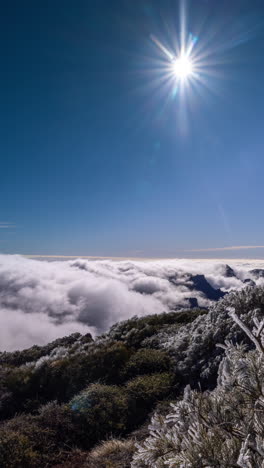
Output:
x=188 y=61
x=182 y=67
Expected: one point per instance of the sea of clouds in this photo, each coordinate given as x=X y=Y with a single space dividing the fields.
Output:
x=42 y=300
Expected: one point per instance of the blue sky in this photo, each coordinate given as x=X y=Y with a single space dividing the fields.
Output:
x=99 y=157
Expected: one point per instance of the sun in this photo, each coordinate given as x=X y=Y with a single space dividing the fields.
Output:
x=182 y=67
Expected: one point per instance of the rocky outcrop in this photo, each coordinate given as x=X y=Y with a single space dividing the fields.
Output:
x=200 y=283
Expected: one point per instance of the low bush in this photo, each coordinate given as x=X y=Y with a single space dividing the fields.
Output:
x=26 y=388
x=150 y=388
x=102 y=411
x=62 y=379
x=147 y=361
x=144 y=391
x=74 y=459
x=108 y=360
x=61 y=422
x=24 y=443
x=16 y=450
x=39 y=440
x=113 y=453
x=20 y=391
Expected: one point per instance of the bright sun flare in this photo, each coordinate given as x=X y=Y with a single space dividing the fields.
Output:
x=182 y=67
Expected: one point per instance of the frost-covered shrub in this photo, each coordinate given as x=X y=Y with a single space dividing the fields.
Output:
x=63 y=368
x=33 y=354
x=135 y=330
x=193 y=346
x=60 y=375
x=222 y=428
x=66 y=377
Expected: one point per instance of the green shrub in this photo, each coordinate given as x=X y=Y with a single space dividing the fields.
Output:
x=150 y=388
x=113 y=453
x=23 y=443
x=76 y=458
x=102 y=410
x=60 y=420
x=27 y=388
x=16 y=450
x=144 y=391
x=62 y=379
x=42 y=439
x=108 y=360
x=147 y=361
x=22 y=389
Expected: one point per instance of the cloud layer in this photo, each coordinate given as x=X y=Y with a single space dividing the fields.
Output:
x=235 y=247
x=42 y=300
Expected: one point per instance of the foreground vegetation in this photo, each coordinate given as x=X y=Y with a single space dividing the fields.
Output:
x=58 y=403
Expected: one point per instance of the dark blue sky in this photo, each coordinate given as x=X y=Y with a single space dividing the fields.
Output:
x=97 y=158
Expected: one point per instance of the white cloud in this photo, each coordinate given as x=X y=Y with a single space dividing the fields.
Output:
x=20 y=330
x=41 y=300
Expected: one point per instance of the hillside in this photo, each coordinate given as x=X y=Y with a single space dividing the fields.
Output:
x=59 y=401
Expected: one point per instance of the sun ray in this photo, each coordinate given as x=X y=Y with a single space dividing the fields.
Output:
x=162 y=47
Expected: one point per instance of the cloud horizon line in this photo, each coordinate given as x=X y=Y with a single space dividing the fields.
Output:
x=235 y=247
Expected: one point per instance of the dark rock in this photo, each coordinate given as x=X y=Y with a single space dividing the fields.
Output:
x=193 y=302
x=257 y=272
x=229 y=272
x=249 y=282
x=200 y=283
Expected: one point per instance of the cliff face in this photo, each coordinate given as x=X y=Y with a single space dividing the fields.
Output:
x=201 y=284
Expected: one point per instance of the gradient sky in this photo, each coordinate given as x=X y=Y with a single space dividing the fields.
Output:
x=100 y=157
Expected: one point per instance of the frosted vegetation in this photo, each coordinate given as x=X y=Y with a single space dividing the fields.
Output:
x=196 y=377
x=225 y=427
